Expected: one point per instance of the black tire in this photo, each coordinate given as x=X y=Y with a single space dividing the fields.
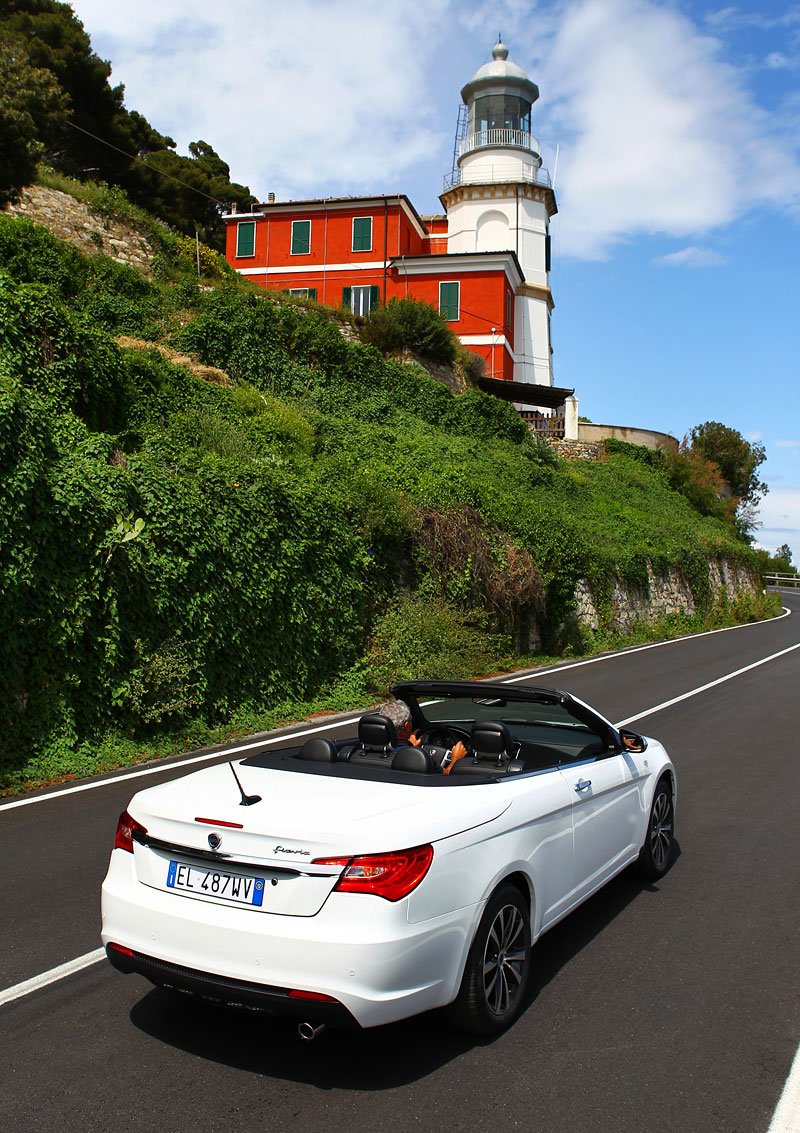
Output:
x=655 y=855
x=497 y=968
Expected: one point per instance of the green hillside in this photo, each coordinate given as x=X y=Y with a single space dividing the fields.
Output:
x=185 y=555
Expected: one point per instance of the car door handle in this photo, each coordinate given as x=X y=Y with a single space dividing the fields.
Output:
x=583 y=784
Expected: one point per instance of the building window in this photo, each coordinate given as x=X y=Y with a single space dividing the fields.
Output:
x=301 y=237
x=449 y=301
x=303 y=292
x=362 y=233
x=548 y=255
x=246 y=238
x=361 y=300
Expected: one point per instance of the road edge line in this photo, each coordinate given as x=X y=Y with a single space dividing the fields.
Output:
x=44 y=979
x=786 y=1118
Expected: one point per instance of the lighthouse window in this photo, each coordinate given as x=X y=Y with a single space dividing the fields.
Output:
x=449 y=301
x=246 y=238
x=502 y=112
x=301 y=237
x=362 y=233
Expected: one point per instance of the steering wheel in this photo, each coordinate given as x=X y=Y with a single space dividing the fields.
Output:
x=441 y=738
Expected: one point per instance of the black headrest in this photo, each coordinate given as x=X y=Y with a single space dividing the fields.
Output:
x=376 y=731
x=412 y=758
x=319 y=749
x=490 y=740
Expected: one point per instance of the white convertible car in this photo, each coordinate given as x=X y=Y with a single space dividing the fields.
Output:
x=352 y=882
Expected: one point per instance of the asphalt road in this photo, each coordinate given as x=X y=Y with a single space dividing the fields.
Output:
x=672 y=1006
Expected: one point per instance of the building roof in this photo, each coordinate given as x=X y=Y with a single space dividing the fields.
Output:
x=327 y=202
x=463 y=261
x=526 y=393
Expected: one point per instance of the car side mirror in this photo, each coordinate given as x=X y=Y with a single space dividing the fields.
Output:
x=632 y=741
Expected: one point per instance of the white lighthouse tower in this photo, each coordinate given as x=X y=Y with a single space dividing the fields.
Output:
x=500 y=199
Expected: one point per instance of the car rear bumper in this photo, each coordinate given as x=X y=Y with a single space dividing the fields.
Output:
x=359 y=949
x=230 y=993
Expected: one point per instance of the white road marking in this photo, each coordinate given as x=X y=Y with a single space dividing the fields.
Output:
x=45 y=978
x=162 y=767
x=786 y=1118
x=530 y=674
x=704 y=688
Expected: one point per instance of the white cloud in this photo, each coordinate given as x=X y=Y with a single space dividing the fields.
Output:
x=794 y=445
x=777 y=61
x=654 y=125
x=692 y=257
x=779 y=515
x=313 y=97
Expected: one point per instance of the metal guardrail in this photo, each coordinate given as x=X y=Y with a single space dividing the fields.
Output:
x=499 y=174
x=792 y=580
x=519 y=139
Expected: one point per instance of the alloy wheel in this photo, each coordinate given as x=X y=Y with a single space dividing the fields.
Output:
x=661 y=830
x=504 y=960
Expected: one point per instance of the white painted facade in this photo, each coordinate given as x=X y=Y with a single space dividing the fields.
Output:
x=501 y=200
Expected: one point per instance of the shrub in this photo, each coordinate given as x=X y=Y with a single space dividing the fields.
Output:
x=423 y=638
x=411 y=324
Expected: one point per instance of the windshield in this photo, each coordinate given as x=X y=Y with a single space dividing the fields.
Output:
x=506 y=710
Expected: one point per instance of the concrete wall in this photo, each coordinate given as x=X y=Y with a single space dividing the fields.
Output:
x=649 y=438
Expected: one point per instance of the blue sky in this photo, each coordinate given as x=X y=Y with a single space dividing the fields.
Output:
x=677 y=128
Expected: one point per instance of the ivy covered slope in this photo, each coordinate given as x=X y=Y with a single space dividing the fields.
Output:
x=181 y=557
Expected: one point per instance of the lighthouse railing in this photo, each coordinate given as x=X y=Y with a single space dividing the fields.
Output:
x=519 y=139
x=498 y=173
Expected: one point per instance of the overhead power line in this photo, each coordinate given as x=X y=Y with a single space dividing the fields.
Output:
x=154 y=168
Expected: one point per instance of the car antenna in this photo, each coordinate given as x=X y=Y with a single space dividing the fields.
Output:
x=247 y=800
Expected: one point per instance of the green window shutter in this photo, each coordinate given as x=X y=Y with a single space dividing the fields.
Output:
x=301 y=237
x=374 y=298
x=347 y=298
x=246 y=238
x=449 y=301
x=312 y=293
x=362 y=234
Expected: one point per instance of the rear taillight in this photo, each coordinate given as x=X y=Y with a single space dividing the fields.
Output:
x=391 y=876
x=125 y=829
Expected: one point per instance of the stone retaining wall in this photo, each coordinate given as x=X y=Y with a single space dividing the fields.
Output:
x=669 y=593
x=92 y=232
x=578 y=450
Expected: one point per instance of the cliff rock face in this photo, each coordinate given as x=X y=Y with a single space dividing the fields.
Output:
x=91 y=231
x=668 y=593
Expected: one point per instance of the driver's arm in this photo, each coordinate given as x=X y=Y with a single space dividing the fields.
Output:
x=458 y=752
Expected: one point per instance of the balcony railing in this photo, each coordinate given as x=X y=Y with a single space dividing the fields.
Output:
x=519 y=139
x=498 y=173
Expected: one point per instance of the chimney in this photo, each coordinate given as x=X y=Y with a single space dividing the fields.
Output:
x=271 y=198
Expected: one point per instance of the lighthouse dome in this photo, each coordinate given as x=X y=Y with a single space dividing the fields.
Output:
x=500 y=73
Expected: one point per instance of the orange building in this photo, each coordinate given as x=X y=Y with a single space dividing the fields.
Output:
x=484 y=263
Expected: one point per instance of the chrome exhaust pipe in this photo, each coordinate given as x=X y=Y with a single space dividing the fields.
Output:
x=308 y=1032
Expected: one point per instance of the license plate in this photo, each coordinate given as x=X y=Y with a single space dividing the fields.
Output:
x=212 y=883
